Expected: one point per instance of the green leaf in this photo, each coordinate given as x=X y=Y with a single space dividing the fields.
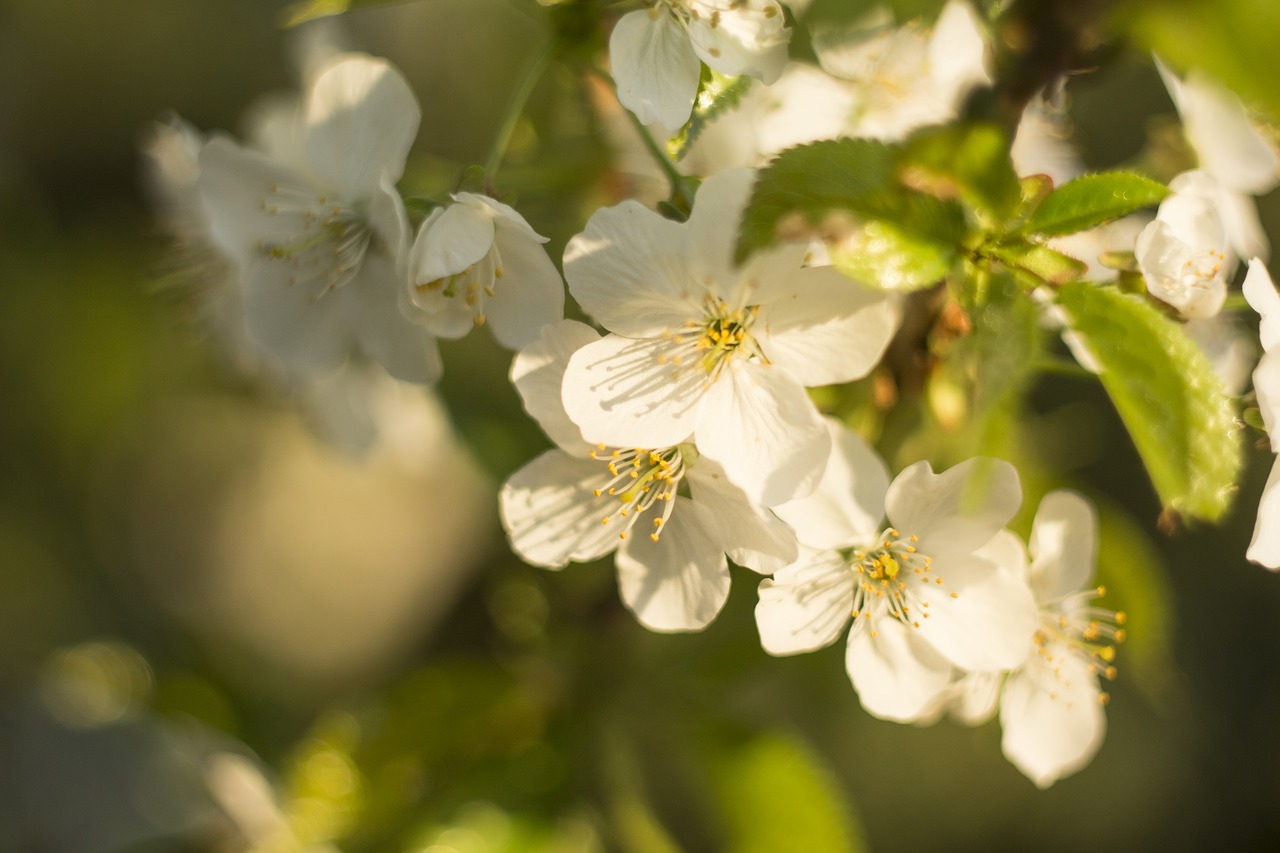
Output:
x=1040 y=261
x=836 y=187
x=308 y=10
x=1092 y=200
x=882 y=255
x=1166 y=393
x=717 y=95
x=775 y=794
x=967 y=161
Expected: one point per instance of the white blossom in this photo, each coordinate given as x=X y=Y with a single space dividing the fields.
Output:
x=1184 y=254
x=318 y=228
x=670 y=514
x=923 y=598
x=1260 y=291
x=478 y=260
x=908 y=76
x=657 y=53
x=707 y=352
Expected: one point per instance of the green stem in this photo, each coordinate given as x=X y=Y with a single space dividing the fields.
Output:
x=515 y=108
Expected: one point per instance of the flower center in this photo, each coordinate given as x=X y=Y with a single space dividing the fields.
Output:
x=331 y=243
x=710 y=342
x=885 y=582
x=640 y=478
x=1071 y=625
x=474 y=284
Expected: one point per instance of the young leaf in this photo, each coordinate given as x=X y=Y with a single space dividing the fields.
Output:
x=882 y=255
x=1166 y=393
x=968 y=161
x=1093 y=200
x=834 y=188
x=717 y=95
x=1040 y=261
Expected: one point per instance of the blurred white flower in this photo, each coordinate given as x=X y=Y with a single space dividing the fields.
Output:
x=656 y=54
x=909 y=76
x=1233 y=153
x=1184 y=254
x=1260 y=291
x=319 y=234
x=707 y=352
x=578 y=503
x=479 y=260
x=923 y=598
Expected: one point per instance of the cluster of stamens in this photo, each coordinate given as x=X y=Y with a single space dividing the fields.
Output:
x=722 y=333
x=685 y=10
x=1089 y=632
x=331 y=245
x=474 y=283
x=638 y=479
x=885 y=577
x=1202 y=269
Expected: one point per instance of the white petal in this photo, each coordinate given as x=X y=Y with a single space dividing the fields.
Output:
x=449 y=241
x=1164 y=260
x=405 y=349
x=980 y=618
x=897 y=676
x=1063 y=545
x=806 y=605
x=1053 y=725
x=713 y=224
x=680 y=582
x=746 y=39
x=1266 y=385
x=957 y=49
x=1007 y=552
x=1220 y=132
x=959 y=509
x=655 y=67
x=828 y=329
x=1264 y=549
x=551 y=514
x=308 y=335
x=628 y=270
x=751 y=535
x=361 y=118
x=235 y=184
x=758 y=423
x=975 y=697
x=1244 y=229
x=848 y=505
x=1261 y=293
x=537 y=372
x=528 y=295
x=618 y=394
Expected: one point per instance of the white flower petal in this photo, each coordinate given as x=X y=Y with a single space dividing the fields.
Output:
x=1063 y=545
x=1260 y=291
x=759 y=424
x=1264 y=548
x=618 y=394
x=1266 y=384
x=980 y=618
x=449 y=241
x=1165 y=261
x=751 y=535
x=655 y=67
x=1244 y=229
x=680 y=582
x=405 y=349
x=897 y=676
x=1053 y=723
x=528 y=295
x=806 y=605
x=957 y=510
x=234 y=183
x=713 y=225
x=361 y=119
x=957 y=49
x=551 y=514
x=828 y=329
x=848 y=505
x=628 y=270
x=307 y=335
x=537 y=372
x=746 y=38
x=975 y=697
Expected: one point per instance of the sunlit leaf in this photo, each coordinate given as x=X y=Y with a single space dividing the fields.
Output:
x=968 y=161
x=717 y=95
x=1093 y=200
x=775 y=794
x=885 y=256
x=1166 y=393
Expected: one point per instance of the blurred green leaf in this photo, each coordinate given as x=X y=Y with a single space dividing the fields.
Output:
x=1040 y=261
x=1134 y=575
x=717 y=95
x=1092 y=200
x=966 y=161
x=882 y=255
x=1233 y=41
x=1166 y=393
x=837 y=187
x=308 y=10
x=775 y=794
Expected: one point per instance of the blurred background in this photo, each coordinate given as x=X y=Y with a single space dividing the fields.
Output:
x=219 y=632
